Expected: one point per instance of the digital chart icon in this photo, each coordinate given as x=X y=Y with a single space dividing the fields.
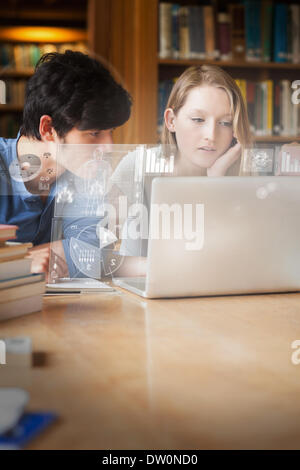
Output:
x=26 y=168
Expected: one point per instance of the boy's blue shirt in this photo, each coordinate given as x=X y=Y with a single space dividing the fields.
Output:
x=18 y=206
x=34 y=219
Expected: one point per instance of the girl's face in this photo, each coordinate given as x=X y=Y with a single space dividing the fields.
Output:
x=203 y=126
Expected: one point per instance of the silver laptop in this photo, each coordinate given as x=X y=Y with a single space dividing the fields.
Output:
x=239 y=235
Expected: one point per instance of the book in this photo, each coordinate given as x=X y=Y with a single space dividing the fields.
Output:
x=264 y=107
x=193 y=30
x=165 y=30
x=11 y=258
x=250 y=91
x=175 y=30
x=257 y=30
x=289 y=37
x=184 y=40
x=164 y=90
x=21 y=280
x=209 y=30
x=196 y=32
x=223 y=36
x=276 y=110
x=286 y=107
x=280 y=32
x=269 y=106
x=249 y=30
x=295 y=27
x=14 y=249
x=266 y=30
x=18 y=307
x=257 y=107
x=201 y=36
x=7 y=232
x=22 y=291
x=237 y=31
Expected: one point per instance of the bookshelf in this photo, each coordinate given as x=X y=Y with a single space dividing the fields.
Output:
x=132 y=45
x=257 y=70
x=125 y=35
x=26 y=32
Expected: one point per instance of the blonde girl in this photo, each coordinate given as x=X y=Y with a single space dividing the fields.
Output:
x=206 y=119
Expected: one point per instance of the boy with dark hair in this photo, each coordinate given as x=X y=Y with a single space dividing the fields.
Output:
x=73 y=99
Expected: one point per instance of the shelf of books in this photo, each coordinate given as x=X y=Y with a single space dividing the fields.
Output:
x=20 y=49
x=257 y=42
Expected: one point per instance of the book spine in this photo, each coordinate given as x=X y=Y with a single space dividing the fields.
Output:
x=258 y=108
x=264 y=107
x=201 y=32
x=193 y=32
x=257 y=30
x=267 y=30
x=276 y=109
x=285 y=107
x=160 y=107
x=250 y=104
x=184 y=46
x=280 y=33
x=249 y=32
x=22 y=292
x=295 y=33
x=12 y=269
x=270 y=95
x=209 y=32
x=224 y=36
x=289 y=34
x=242 y=84
x=19 y=307
x=175 y=30
x=295 y=115
x=165 y=34
x=237 y=31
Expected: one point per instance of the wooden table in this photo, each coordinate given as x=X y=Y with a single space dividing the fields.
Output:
x=128 y=373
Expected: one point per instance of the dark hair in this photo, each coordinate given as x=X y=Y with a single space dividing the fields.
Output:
x=75 y=90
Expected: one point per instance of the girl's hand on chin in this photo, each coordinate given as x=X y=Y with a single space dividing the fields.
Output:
x=224 y=162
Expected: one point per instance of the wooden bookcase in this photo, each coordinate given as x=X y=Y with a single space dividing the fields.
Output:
x=124 y=34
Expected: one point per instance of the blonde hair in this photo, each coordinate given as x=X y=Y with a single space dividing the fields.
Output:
x=214 y=76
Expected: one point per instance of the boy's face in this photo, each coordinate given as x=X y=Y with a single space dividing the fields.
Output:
x=78 y=148
x=91 y=136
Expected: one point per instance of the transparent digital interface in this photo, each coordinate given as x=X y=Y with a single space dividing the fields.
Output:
x=101 y=204
x=102 y=197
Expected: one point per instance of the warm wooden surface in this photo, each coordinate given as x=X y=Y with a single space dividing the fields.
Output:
x=123 y=34
x=127 y=373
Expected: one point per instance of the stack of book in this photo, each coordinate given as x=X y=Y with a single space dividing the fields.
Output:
x=21 y=292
